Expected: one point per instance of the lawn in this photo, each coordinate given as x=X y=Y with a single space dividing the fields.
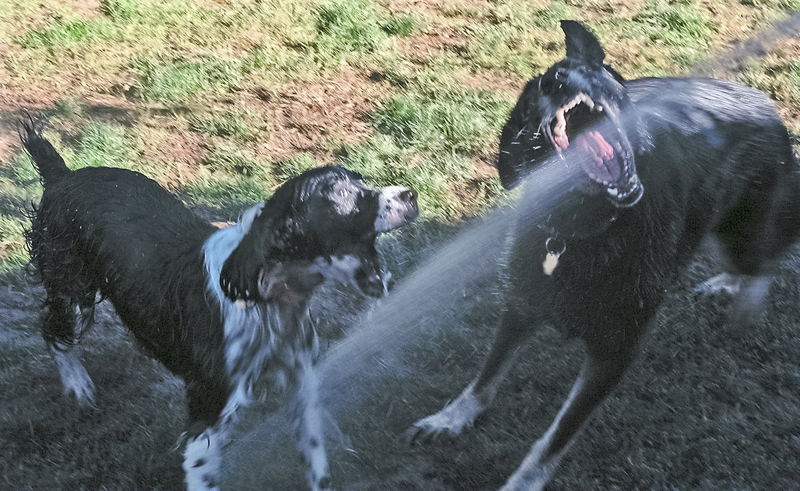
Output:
x=221 y=101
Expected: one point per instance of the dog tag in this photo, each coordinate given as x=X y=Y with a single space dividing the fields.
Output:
x=553 y=253
x=550 y=263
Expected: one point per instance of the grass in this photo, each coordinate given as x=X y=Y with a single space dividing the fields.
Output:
x=179 y=80
x=237 y=124
x=204 y=96
x=460 y=122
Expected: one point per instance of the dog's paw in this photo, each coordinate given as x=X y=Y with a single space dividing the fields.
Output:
x=83 y=393
x=429 y=429
x=450 y=421
x=721 y=284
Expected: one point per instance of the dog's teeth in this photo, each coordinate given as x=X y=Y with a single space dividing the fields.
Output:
x=561 y=123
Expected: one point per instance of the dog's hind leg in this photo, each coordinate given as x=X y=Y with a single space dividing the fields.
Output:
x=65 y=321
x=600 y=374
x=752 y=242
x=513 y=333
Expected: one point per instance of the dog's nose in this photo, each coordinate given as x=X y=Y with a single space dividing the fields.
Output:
x=409 y=195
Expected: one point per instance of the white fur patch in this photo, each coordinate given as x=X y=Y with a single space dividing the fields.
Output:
x=74 y=378
x=391 y=209
x=721 y=283
x=311 y=438
x=535 y=470
x=202 y=461
x=454 y=417
x=247 y=328
x=345 y=197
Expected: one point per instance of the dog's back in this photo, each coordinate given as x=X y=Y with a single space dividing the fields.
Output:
x=724 y=164
x=117 y=232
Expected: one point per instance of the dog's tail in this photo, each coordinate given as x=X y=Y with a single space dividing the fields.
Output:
x=49 y=164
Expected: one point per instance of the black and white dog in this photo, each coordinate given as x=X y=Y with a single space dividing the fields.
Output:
x=216 y=307
x=658 y=163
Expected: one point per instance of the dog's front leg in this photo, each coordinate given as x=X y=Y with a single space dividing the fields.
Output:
x=311 y=438
x=202 y=459
x=600 y=374
x=513 y=333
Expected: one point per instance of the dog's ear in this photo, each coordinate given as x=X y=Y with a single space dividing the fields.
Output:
x=258 y=229
x=242 y=270
x=581 y=44
x=619 y=78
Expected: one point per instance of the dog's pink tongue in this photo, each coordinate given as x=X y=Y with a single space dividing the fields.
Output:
x=561 y=140
x=599 y=159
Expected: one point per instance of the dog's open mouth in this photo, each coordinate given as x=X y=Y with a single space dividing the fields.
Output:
x=591 y=134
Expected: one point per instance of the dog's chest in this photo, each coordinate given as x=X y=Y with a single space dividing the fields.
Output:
x=264 y=345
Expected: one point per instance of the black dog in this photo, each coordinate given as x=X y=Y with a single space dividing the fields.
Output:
x=659 y=163
x=165 y=270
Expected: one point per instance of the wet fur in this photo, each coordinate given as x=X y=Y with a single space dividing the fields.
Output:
x=713 y=158
x=217 y=307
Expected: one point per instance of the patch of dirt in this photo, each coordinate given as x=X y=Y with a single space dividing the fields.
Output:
x=616 y=8
x=85 y=9
x=488 y=80
x=305 y=117
x=178 y=146
x=485 y=165
x=426 y=45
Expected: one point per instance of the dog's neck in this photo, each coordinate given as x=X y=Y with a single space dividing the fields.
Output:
x=572 y=222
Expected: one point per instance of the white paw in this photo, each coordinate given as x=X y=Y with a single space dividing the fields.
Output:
x=82 y=390
x=451 y=420
x=74 y=377
x=201 y=462
x=721 y=283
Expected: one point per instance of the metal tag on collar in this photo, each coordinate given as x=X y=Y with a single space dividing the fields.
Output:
x=555 y=247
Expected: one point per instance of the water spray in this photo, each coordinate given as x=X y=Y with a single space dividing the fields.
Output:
x=374 y=347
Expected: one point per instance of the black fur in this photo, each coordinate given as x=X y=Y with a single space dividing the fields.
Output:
x=116 y=232
x=706 y=157
x=48 y=162
x=302 y=225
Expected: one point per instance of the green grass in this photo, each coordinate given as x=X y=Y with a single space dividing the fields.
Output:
x=349 y=25
x=358 y=25
x=294 y=165
x=229 y=159
x=179 y=80
x=778 y=77
x=461 y=122
x=237 y=124
x=120 y=10
x=226 y=194
x=681 y=24
x=65 y=34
